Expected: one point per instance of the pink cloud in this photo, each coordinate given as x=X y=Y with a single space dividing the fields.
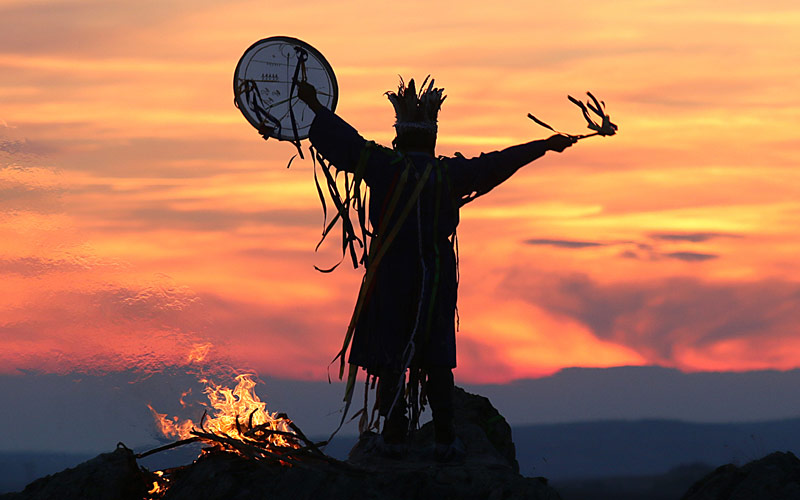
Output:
x=664 y=319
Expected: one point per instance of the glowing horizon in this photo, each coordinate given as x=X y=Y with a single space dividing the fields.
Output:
x=141 y=215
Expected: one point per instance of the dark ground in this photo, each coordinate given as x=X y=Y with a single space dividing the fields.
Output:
x=595 y=460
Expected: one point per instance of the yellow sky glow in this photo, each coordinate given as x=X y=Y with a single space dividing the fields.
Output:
x=137 y=204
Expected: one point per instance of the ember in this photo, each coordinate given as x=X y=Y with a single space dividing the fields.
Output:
x=158 y=488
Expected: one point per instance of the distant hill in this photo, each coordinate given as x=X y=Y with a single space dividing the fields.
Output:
x=646 y=392
x=119 y=402
x=648 y=447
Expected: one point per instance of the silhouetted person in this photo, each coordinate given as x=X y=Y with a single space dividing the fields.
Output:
x=408 y=317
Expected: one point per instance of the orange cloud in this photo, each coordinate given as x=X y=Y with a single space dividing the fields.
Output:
x=130 y=185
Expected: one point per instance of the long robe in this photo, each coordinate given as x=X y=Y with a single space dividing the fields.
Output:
x=412 y=300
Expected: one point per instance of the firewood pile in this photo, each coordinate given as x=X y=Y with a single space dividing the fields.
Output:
x=236 y=422
x=257 y=442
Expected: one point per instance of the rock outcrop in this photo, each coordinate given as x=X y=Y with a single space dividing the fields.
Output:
x=489 y=471
x=109 y=476
x=774 y=477
x=229 y=476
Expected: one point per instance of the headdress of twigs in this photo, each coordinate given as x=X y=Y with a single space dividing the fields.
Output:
x=416 y=111
x=604 y=128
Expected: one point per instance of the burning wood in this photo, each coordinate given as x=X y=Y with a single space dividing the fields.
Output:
x=239 y=423
x=227 y=407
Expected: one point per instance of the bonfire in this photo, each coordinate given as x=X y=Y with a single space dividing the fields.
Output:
x=237 y=421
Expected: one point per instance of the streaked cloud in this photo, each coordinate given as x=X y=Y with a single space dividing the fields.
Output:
x=16 y=147
x=675 y=322
x=33 y=266
x=140 y=213
x=692 y=237
x=563 y=243
x=165 y=218
x=691 y=256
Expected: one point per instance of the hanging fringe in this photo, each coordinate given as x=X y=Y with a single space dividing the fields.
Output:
x=252 y=97
x=299 y=71
x=377 y=249
x=355 y=197
x=352 y=201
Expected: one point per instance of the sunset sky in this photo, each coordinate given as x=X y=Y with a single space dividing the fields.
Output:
x=142 y=217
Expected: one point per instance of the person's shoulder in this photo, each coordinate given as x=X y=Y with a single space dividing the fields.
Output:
x=380 y=147
x=383 y=151
x=455 y=160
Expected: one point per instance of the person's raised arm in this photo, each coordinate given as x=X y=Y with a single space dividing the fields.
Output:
x=333 y=138
x=476 y=176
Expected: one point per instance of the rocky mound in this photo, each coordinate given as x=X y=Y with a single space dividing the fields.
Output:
x=107 y=476
x=774 y=477
x=490 y=471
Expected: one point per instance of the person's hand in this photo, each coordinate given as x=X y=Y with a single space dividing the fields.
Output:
x=560 y=142
x=308 y=94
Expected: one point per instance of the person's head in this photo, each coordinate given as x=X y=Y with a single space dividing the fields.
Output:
x=415 y=140
x=416 y=116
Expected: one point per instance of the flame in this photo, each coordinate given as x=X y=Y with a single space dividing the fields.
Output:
x=172 y=428
x=232 y=412
x=156 y=488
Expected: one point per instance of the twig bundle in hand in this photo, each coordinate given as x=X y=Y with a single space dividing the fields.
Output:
x=604 y=128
